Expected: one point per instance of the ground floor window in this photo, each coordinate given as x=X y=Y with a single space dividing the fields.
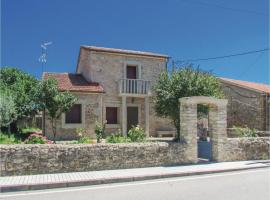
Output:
x=74 y=116
x=111 y=115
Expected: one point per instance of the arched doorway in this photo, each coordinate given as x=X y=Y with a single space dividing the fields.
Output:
x=217 y=114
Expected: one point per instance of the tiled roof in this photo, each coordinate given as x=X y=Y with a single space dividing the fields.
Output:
x=74 y=83
x=123 y=51
x=255 y=86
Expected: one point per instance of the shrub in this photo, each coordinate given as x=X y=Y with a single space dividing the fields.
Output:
x=9 y=139
x=36 y=138
x=27 y=131
x=136 y=134
x=83 y=138
x=117 y=138
x=245 y=131
x=99 y=130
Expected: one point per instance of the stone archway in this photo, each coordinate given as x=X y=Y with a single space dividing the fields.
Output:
x=217 y=124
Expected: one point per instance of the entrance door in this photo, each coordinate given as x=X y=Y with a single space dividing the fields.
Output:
x=132 y=117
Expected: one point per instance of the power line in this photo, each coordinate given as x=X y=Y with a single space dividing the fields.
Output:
x=247 y=69
x=226 y=7
x=221 y=57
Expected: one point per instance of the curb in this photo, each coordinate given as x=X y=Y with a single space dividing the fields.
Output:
x=42 y=186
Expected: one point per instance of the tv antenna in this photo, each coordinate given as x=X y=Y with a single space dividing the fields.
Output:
x=43 y=56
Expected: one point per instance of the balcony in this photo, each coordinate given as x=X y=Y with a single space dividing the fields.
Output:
x=134 y=87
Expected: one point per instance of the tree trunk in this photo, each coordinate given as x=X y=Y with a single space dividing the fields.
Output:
x=43 y=122
x=53 y=129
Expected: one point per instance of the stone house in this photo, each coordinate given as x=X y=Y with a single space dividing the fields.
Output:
x=112 y=85
x=248 y=103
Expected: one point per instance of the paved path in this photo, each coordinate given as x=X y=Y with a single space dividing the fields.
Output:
x=240 y=185
x=47 y=181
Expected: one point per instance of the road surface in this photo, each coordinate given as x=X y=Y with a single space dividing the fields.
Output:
x=241 y=185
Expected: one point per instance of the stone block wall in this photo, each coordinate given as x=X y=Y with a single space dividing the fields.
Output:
x=38 y=159
x=255 y=148
x=246 y=107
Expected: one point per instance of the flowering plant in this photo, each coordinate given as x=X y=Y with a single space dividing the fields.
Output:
x=99 y=130
x=36 y=138
x=136 y=134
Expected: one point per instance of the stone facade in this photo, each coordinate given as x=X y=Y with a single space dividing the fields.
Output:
x=108 y=69
x=246 y=107
x=256 y=148
x=39 y=159
x=91 y=112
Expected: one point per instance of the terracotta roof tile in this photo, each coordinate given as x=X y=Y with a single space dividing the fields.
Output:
x=124 y=51
x=74 y=83
x=256 y=86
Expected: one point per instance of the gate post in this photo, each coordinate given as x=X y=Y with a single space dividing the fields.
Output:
x=188 y=128
x=218 y=129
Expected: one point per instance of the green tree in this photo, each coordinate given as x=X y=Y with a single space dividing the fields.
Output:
x=53 y=101
x=182 y=82
x=8 y=112
x=22 y=86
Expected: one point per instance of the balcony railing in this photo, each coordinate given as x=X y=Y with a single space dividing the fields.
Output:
x=134 y=86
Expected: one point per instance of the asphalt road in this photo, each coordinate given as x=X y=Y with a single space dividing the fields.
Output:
x=241 y=185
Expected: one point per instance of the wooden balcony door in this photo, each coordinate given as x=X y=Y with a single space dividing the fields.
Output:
x=131 y=72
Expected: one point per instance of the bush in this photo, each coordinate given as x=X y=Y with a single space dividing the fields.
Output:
x=117 y=138
x=99 y=130
x=136 y=134
x=85 y=140
x=245 y=132
x=82 y=137
x=9 y=139
x=36 y=138
x=27 y=131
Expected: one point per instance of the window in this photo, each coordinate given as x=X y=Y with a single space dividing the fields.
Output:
x=74 y=116
x=111 y=115
x=131 y=72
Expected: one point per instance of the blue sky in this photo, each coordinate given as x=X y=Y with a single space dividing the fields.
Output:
x=183 y=29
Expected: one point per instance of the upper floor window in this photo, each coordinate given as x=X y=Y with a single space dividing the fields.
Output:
x=132 y=72
x=74 y=115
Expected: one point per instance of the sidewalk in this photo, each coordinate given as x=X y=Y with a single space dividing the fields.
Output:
x=48 y=181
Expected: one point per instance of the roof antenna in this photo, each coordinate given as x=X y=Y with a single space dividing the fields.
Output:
x=43 y=56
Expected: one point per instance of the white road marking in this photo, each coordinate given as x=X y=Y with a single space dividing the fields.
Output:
x=127 y=184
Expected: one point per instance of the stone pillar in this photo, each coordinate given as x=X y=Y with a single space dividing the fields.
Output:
x=146 y=110
x=188 y=128
x=218 y=130
x=124 y=115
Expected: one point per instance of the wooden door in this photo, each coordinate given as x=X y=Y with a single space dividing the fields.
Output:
x=132 y=117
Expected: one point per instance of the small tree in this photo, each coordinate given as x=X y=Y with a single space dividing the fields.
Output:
x=53 y=101
x=182 y=82
x=8 y=112
x=22 y=85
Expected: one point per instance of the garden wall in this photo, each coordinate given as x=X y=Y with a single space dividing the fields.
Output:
x=255 y=148
x=36 y=159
